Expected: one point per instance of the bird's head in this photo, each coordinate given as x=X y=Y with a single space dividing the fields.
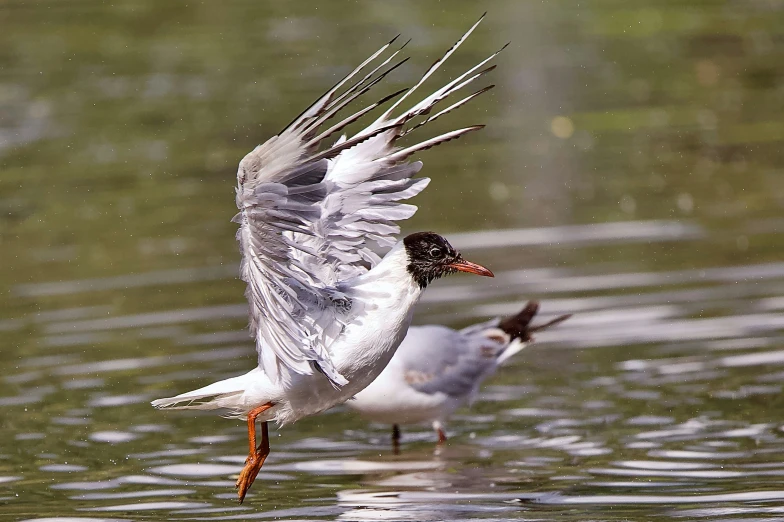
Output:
x=430 y=256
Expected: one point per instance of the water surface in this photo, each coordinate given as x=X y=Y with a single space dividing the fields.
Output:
x=630 y=174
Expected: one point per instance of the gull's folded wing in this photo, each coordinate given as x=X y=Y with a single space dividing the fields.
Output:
x=307 y=215
x=437 y=360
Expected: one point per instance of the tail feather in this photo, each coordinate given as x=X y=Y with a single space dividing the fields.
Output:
x=512 y=348
x=189 y=401
x=223 y=394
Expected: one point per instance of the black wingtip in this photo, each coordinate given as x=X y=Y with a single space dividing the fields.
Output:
x=507 y=44
x=390 y=96
x=401 y=62
x=393 y=39
x=519 y=326
x=548 y=324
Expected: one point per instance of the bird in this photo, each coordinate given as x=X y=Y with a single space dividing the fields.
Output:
x=326 y=311
x=436 y=370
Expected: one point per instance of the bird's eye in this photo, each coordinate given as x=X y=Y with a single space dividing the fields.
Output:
x=436 y=253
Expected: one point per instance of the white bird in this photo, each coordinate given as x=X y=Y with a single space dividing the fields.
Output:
x=436 y=370
x=328 y=313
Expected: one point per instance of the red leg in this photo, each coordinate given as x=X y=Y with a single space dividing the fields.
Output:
x=256 y=455
x=441 y=436
x=396 y=439
x=440 y=430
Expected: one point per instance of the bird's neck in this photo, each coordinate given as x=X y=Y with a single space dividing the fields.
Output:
x=393 y=269
x=384 y=300
x=388 y=284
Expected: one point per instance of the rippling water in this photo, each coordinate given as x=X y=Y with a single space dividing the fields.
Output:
x=630 y=174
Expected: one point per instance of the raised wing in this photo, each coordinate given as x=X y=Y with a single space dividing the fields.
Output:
x=307 y=216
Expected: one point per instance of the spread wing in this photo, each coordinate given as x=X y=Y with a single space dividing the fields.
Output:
x=308 y=216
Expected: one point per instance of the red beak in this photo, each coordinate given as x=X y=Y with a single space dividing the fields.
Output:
x=471 y=268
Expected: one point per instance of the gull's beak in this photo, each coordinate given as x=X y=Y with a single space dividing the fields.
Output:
x=472 y=268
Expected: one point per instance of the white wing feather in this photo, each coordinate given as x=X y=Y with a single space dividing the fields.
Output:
x=307 y=217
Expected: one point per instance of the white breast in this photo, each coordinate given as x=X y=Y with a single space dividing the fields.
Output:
x=383 y=300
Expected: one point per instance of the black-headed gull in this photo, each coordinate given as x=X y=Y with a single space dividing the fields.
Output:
x=436 y=370
x=328 y=313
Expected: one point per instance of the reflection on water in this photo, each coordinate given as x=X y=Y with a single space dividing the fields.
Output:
x=630 y=174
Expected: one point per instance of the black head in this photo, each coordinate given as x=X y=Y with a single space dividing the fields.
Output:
x=430 y=256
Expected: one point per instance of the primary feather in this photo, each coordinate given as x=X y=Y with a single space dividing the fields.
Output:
x=308 y=217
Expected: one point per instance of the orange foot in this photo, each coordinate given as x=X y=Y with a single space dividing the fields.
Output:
x=248 y=474
x=441 y=436
x=256 y=455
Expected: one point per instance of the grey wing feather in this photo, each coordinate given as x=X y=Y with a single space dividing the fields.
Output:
x=308 y=217
x=440 y=360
